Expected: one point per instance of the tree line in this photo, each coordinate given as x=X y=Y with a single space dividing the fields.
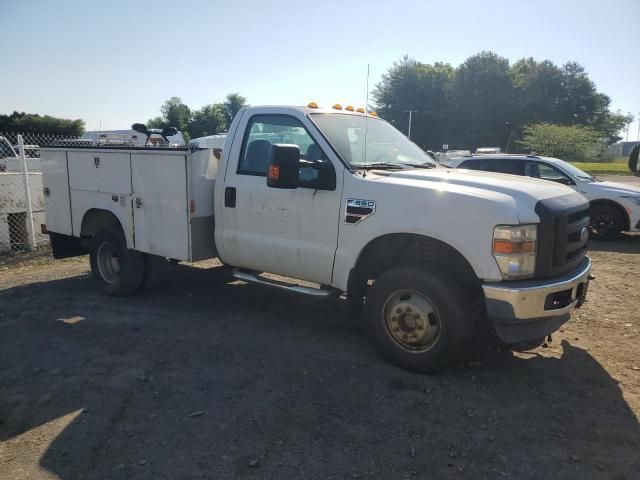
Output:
x=21 y=122
x=487 y=102
x=208 y=120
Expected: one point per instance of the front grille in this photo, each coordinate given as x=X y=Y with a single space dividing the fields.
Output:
x=562 y=234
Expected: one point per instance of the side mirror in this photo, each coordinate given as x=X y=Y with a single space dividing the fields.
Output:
x=564 y=181
x=282 y=171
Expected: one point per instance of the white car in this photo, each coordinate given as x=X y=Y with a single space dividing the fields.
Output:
x=615 y=207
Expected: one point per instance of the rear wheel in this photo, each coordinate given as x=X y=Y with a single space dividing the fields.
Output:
x=421 y=321
x=607 y=221
x=119 y=271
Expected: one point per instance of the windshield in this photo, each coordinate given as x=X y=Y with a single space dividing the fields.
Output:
x=576 y=172
x=385 y=144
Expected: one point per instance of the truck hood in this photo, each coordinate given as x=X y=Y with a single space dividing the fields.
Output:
x=512 y=185
x=524 y=192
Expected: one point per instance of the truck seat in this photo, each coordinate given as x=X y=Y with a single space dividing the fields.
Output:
x=257 y=157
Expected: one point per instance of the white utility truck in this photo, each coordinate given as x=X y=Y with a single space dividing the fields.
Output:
x=338 y=198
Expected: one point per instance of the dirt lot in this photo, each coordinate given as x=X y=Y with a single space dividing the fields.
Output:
x=199 y=378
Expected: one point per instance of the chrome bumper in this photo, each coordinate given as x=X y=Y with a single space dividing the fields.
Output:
x=524 y=310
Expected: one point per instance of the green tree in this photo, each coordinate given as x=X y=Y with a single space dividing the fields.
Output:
x=35 y=123
x=411 y=85
x=209 y=120
x=232 y=104
x=538 y=92
x=482 y=92
x=569 y=142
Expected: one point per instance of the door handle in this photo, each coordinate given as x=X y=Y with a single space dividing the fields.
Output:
x=138 y=202
x=230 y=197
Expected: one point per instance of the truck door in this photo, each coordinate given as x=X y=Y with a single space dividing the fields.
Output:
x=287 y=232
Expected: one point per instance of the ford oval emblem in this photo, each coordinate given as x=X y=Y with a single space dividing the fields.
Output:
x=584 y=233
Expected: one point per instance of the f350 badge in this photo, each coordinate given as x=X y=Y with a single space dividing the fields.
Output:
x=357 y=210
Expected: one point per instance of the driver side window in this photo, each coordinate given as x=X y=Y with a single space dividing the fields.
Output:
x=265 y=130
x=545 y=171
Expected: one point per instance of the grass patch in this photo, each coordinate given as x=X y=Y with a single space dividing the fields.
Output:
x=596 y=168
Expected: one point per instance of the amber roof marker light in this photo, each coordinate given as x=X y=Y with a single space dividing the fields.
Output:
x=312 y=105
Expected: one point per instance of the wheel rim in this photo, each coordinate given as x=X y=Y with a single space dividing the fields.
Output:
x=108 y=262
x=411 y=321
x=604 y=223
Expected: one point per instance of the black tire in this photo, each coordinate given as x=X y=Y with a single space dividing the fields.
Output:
x=607 y=222
x=451 y=305
x=117 y=270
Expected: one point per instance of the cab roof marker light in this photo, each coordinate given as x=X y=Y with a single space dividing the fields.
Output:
x=360 y=110
x=337 y=106
x=349 y=108
x=373 y=114
x=312 y=105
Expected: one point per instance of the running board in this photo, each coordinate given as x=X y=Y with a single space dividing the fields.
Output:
x=252 y=277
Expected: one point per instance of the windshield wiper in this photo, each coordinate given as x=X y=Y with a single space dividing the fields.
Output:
x=420 y=165
x=380 y=166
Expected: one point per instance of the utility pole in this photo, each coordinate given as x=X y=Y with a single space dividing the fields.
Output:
x=638 y=137
x=628 y=126
x=411 y=112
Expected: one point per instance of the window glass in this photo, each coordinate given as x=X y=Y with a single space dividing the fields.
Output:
x=503 y=165
x=265 y=130
x=549 y=172
x=474 y=164
x=384 y=144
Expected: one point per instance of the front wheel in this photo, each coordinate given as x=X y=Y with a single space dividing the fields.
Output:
x=421 y=321
x=117 y=270
x=607 y=222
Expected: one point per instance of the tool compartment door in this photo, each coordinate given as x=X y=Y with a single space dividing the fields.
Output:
x=55 y=181
x=160 y=203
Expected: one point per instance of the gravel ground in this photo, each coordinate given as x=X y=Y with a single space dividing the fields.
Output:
x=199 y=377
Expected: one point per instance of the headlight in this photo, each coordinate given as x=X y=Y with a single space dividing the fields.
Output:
x=634 y=198
x=514 y=248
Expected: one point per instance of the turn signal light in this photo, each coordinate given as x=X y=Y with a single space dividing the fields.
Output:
x=274 y=172
x=312 y=105
x=507 y=247
x=337 y=106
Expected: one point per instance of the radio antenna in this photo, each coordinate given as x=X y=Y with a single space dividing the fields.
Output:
x=366 y=116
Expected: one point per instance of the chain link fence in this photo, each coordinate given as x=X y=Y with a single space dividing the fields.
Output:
x=21 y=193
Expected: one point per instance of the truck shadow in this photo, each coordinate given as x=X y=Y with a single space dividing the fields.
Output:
x=202 y=378
x=628 y=243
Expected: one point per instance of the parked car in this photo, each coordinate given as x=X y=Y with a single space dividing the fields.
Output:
x=615 y=207
x=487 y=150
x=300 y=192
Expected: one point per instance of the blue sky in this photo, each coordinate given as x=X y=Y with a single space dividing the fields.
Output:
x=114 y=63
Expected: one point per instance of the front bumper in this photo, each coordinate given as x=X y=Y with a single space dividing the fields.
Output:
x=531 y=309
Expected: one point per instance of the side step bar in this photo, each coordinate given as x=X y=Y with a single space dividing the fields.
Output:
x=252 y=277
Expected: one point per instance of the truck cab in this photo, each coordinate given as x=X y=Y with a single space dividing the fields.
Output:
x=340 y=198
